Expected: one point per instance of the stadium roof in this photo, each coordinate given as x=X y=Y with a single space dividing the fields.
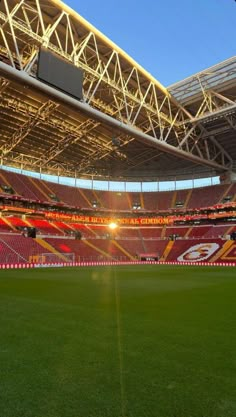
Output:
x=128 y=126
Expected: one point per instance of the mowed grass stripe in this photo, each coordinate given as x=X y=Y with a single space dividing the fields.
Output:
x=118 y=341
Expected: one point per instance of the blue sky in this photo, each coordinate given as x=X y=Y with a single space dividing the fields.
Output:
x=170 y=39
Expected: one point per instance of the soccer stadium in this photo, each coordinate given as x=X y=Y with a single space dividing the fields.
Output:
x=116 y=300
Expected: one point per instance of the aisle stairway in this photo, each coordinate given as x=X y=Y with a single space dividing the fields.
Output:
x=167 y=250
x=50 y=249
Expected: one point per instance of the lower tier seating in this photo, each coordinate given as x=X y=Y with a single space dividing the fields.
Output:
x=15 y=248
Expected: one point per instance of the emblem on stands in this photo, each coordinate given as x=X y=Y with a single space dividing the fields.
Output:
x=199 y=252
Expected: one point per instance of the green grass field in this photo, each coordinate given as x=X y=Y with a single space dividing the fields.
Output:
x=124 y=341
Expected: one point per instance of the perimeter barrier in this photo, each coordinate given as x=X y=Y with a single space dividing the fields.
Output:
x=109 y=263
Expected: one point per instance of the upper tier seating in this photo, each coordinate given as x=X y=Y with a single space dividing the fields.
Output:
x=21 y=185
x=207 y=196
x=158 y=200
x=181 y=198
x=69 y=195
x=118 y=201
x=35 y=189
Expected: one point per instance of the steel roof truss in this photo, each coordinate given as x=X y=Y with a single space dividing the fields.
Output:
x=114 y=84
x=41 y=115
x=82 y=131
x=232 y=121
x=66 y=43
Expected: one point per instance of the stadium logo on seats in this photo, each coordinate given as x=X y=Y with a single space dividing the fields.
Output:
x=199 y=252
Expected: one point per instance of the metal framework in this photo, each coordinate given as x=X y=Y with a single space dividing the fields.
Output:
x=121 y=100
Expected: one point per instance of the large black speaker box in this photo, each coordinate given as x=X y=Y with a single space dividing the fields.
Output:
x=32 y=232
x=233 y=236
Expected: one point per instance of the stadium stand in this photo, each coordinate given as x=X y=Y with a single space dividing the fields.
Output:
x=210 y=250
x=17 y=248
x=217 y=231
x=150 y=201
x=39 y=190
x=127 y=233
x=164 y=200
x=179 y=231
x=207 y=196
x=199 y=231
x=21 y=185
x=144 y=132
x=151 y=232
x=91 y=241
x=118 y=201
x=5 y=226
x=45 y=227
x=182 y=198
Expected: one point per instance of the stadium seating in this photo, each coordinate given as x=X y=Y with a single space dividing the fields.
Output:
x=128 y=233
x=151 y=232
x=208 y=250
x=207 y=196
x=38 y=190
x=94 y=247
x=44 y=227
x=16 y=222
x=217 y=231
x=69 y=195
x=4 y=227
x=17 y=248
x=155 y=246
x=21 y=185
x=181 y=199
x=119 y=201
x=137 y=202
x=87 y=250
x=180 y=231
x=95 y=241
x=64 y=227
x=150 y=201
x=199 y=231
